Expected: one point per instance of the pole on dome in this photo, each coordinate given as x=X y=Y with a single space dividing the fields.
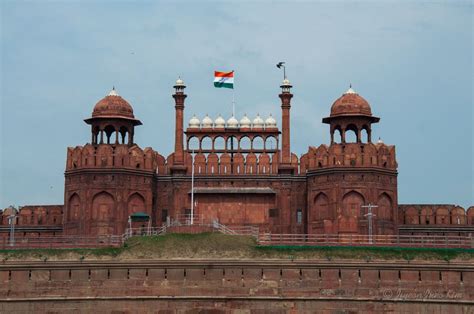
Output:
x=280 y=65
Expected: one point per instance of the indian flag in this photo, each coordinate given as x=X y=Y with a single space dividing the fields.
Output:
x=224 y=79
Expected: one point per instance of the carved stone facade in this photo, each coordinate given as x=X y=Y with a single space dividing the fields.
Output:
x=244 y=174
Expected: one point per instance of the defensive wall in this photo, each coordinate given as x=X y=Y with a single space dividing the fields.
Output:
x=34 y=221
x=221 y=286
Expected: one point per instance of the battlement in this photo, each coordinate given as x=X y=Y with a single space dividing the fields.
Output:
x=435 y=214
x=349 y=155
x=113 y=156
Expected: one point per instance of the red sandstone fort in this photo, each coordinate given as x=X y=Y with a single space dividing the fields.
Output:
x=244 y=174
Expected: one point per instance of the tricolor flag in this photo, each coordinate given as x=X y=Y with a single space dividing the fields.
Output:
x=224 y=79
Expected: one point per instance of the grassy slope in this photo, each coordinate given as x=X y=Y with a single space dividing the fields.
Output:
x=215 y=245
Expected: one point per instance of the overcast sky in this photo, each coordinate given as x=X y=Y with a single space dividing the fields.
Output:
x=411 y=61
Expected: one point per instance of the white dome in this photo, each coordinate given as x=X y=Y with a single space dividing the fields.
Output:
x=245 y=122
x=286 y=82
x=232 y=123
x=194 y=122
x=270 y=122
x=258 y=122
x=219 y=122
x=207 y=122
x=380 y=141
x=179 y=82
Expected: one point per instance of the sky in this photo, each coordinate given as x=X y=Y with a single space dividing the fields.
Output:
x=412 y=61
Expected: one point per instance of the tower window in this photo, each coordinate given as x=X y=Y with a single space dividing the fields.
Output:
x=299 y=216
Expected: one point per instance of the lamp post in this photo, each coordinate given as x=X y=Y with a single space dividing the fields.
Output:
x=12 y=229
x=369 y=215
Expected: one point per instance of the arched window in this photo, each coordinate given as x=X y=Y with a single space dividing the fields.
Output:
x=193 y=143
x=245 y=143
x=337 y=135
x=206 y=143
x=351 y=134
x=364 y=134
x=257 y=143
x=219 y=143
x=124 y=135
x=109 y=131
x=271 y=143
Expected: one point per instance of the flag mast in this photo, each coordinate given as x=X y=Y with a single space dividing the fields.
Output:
x=233 y=96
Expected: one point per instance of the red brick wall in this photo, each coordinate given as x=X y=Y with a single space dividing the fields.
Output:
x=332 y=285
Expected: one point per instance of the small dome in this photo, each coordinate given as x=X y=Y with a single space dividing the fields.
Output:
x=207 y=122
x=194 y=122
x=245 y=122
x=232 y=123
x=219 y=122
x=350 y=103
x=379 y=141
x=258 y=122
x=270 y=122
x=179 y=82
x=113 y=105
x=286 y=82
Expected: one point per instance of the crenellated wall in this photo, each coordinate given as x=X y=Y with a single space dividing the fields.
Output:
x=349 y=155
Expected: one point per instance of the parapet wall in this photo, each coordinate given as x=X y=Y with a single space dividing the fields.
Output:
x=177 y=283
x=435 y=214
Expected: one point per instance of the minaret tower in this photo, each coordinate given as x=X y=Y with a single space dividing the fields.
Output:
x=179 y=97
x=285 y=96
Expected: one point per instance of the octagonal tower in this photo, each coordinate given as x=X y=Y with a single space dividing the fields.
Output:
x=347 y=175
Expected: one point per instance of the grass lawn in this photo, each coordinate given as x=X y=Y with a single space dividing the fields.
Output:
x=216 y=245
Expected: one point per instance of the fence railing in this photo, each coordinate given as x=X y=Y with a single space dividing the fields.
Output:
x=61 y=242
x=364 y=240
x=145 y=231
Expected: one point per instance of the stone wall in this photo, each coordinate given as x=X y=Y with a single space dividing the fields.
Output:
x=226 y=285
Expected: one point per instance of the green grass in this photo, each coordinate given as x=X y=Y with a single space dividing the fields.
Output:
x=362 y=252
x=216 y=245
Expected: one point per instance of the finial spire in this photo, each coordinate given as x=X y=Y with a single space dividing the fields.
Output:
x=113 y=92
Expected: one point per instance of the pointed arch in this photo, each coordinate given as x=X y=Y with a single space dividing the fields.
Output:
x=385 y=207
x=103 y=206
x=351 y=204
x=136 y=203
x=320 y=208
x=74 y=207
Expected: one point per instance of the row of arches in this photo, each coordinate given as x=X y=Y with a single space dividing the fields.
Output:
x=236 y=163
x=351 y=206
x=103 y=207
x=436 y=215
x=351 y=133
x=112 y=134
x=232 y=143
x=37 y=215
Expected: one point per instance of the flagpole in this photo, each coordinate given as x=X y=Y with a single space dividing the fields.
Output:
x=233 y=96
